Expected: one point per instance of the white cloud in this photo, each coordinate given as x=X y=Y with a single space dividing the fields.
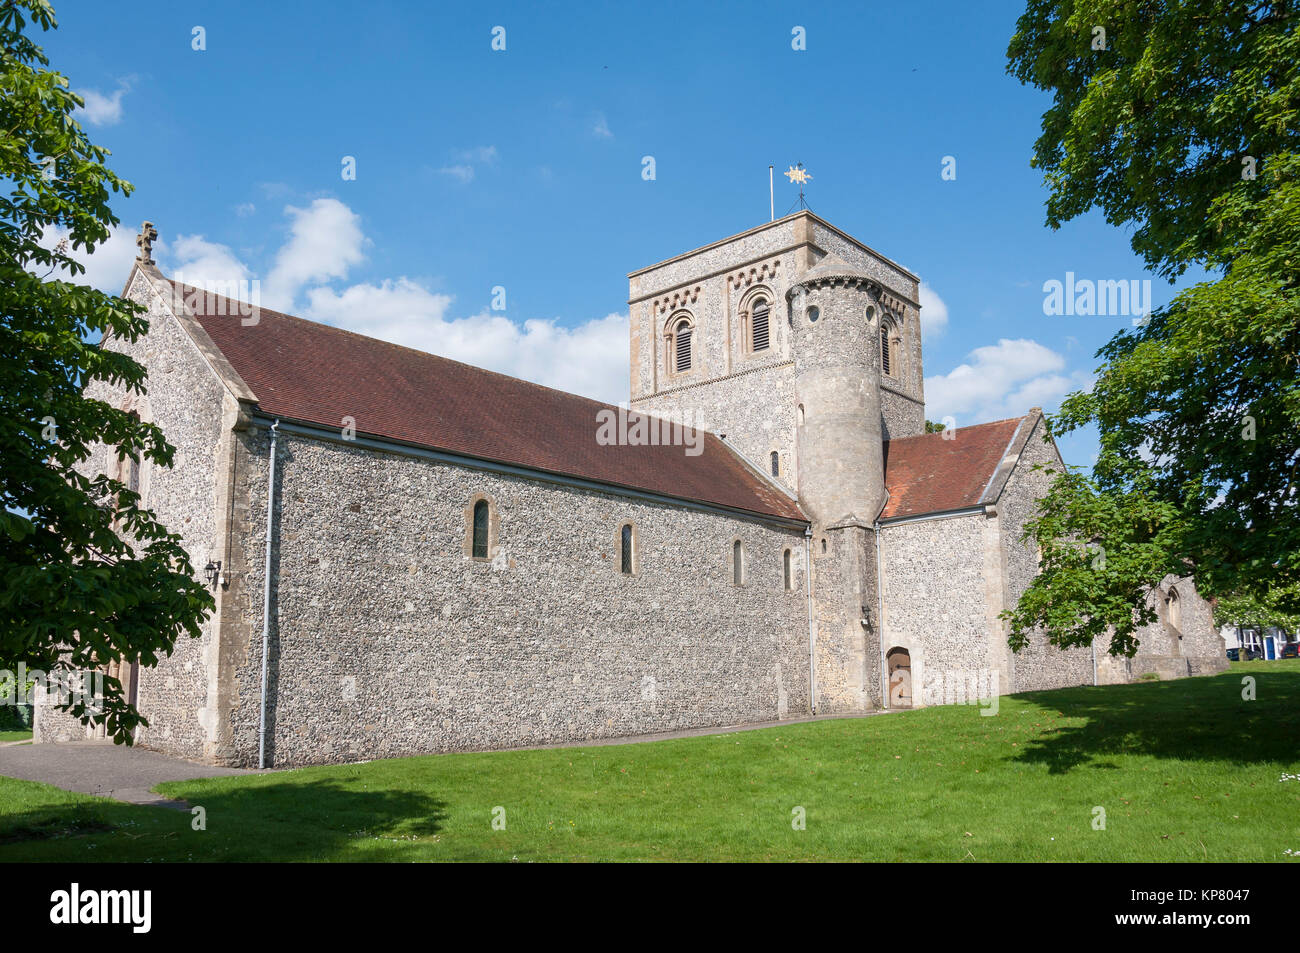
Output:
x=467 y=161
x=245 y=209
x=107 y=267
x=590 y=359
x=601 y=129
x=479 y=154
x=205 y=264
x=101 y=109
x=934 y=313
x=465 y=173
x=999 y=381
x=325 y=240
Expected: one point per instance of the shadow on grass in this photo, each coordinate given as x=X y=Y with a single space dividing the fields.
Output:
x=278 y=818
x=286 y=818
x=1196 y=719
x=46 y=824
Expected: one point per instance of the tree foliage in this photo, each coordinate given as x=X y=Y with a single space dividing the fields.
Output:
x=1260 y=612
x=89 y=576
x=1185 y=127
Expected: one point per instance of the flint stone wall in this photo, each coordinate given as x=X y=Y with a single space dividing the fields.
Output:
x=389 y=640
x=184 y=398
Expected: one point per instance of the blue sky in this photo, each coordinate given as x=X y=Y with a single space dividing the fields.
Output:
x=522 y=169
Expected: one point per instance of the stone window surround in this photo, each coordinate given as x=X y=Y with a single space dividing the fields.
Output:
x=745 y=310
x=892 y=327
x=744 y=562
x=1170 y=611
x=670 y=344
x=787 y=569
x=494 y=528
x=636 y=548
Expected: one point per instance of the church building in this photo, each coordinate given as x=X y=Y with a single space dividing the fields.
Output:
x=412 y=555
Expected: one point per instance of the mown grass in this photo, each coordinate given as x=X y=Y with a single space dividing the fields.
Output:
x=1185 y=771
x=6 y=736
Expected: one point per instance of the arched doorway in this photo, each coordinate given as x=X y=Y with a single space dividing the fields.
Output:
x=899 y=662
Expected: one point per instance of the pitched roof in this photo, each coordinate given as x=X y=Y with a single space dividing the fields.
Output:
x=928 y=474
x=314 y=373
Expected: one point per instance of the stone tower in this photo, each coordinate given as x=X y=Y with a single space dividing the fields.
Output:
x=835 y=337
x=802 y=347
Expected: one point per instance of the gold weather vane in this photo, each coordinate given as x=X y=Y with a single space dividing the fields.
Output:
x=797 y=173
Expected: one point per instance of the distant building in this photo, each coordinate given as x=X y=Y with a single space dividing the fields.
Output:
x=1268 y=640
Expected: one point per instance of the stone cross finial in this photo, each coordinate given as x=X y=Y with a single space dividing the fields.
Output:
x=145 y=240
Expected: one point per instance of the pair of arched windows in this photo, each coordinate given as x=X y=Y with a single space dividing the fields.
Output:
x=480 y=546
x=740 y=566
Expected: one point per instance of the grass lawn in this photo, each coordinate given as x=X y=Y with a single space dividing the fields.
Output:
x=1185 y=770
x=6 y=736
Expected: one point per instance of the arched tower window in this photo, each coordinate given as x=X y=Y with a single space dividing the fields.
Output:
x=481 y=515
x=760 y=322
x=787 y=571
x=738 y=563
x=625 y=550
x=886 y=358
x=776 y=464
x=682 y=341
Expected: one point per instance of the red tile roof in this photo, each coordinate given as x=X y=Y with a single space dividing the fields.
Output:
x=314 y=373
x=928 y=474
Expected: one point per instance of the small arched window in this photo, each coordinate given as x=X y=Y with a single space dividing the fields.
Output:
x=776 y=464
x=813 y=314
x=131 y=465
x=625 y=550
x=480 y=544
x=682 y=346
x=885 y=356
x=760 y=321
x=738 y=563
x=1175 y=611
x=788 y=572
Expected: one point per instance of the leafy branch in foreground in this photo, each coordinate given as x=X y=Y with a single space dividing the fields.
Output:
x=89 y=576
x=1184 y=124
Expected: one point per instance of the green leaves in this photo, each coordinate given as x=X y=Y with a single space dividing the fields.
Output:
x=1187 y=128
x=1153 y=128
x=90 y=577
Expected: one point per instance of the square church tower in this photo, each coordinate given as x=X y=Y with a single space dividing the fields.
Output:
x=713 y=334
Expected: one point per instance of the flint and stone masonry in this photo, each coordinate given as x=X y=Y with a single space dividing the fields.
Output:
x=871 y=565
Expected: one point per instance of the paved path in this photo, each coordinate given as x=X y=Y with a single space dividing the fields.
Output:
x=99 y=767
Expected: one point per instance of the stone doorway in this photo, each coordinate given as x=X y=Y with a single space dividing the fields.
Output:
x=128 y=673
x=899 y=662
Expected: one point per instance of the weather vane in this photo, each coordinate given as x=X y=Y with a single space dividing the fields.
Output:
x=797 y=173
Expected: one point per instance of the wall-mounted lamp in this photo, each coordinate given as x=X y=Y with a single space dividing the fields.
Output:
x=212 y=572
x=866 y=618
